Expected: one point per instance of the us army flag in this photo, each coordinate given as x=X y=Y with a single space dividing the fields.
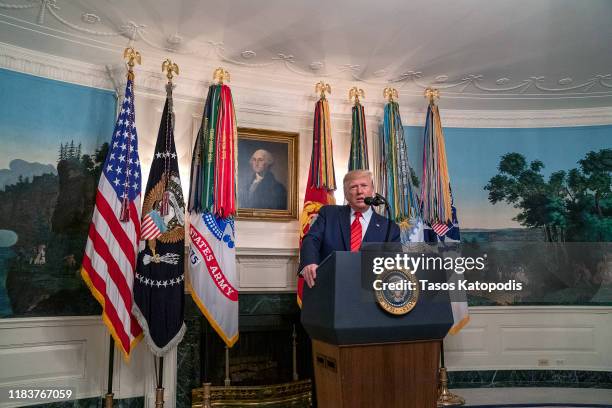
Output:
x=212 y=207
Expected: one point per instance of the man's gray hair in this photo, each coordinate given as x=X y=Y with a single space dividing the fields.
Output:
x=355 y=174
x=268 y=158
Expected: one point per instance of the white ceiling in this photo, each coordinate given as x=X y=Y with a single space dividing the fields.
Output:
x=520 y=54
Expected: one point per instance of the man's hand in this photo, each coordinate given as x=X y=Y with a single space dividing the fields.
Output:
x=309 y=272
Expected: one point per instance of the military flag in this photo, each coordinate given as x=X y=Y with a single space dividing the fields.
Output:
x=160 y=273
x=395 y=173
x=212 y=206
x=321 y=182
x=358 y=159
x=438 y=210
x=112 y=244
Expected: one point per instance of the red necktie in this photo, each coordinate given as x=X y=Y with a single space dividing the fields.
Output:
x=356 y=233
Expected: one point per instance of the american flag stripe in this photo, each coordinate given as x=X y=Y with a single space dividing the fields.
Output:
x=124 y=238
x=107 y=277
x=110 y=252
x=131 y=228
x=109 y=308
x=102 y=265
x=117 y=254
x=113 y=258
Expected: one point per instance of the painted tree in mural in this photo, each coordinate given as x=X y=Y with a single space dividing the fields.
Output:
x=569 y=206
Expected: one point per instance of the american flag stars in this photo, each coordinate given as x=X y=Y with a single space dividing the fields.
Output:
x=122 y=165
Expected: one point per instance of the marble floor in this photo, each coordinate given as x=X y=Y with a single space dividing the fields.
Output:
x=580 y=397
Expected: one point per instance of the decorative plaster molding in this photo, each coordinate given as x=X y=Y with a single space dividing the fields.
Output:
x=515 y=118
x=287 y=99
x=410 y=83
x=52 y=67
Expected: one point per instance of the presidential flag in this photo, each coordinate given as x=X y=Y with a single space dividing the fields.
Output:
x=160 y=273
x=110 y=253
x=321 y=176
x=213 y=279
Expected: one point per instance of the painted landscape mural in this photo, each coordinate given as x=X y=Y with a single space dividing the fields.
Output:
x=539 y=202
x=53 y=143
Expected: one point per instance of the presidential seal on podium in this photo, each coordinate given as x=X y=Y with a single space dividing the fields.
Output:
x=396 y=291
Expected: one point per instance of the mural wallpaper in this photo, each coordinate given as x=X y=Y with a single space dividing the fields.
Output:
x=539 y=201
x=517 y=191
x=53 y=141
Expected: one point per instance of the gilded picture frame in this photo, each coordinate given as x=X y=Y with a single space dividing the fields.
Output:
x=267 y=174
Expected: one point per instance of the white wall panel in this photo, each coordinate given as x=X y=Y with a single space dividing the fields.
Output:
x=533 y=337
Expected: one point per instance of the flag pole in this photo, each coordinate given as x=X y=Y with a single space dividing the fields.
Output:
x=108 y=398
x=445 y=397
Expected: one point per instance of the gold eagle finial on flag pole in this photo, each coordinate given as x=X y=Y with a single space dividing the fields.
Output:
x=170 y=68
x=355 y=93
x=390 y=94
x=432 y=94
x=220 y=75
x=132 y=57
x=321 y=88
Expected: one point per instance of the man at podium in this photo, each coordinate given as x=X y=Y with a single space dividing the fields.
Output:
x=345 y=227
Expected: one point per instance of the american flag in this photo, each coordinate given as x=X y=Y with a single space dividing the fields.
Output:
x=112 y=244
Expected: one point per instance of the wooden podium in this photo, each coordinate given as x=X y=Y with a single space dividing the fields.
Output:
x=364 y=356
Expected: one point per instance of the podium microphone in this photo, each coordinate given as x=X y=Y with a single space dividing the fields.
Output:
x=376 y=201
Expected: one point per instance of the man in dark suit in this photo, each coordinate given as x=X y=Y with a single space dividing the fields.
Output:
x=344 y=227
x=263 y=190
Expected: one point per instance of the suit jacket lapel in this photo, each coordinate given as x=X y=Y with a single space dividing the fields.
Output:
x=345 y=226
x=375 y=228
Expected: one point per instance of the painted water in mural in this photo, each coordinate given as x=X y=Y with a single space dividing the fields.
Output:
x=53 y=143
x=521 y=192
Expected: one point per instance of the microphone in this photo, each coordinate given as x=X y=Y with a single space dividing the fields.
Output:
x=375 y=201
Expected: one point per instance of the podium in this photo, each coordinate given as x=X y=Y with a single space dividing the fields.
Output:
x=363 y=356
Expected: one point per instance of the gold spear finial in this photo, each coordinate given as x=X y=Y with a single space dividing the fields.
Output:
x=170 y=68
x=321 y=88
x=220 y=75
x=432 y=94
x=132 y=57
x=390 y=94
x=355 y=93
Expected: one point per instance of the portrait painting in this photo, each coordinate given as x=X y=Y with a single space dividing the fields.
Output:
x=267 y=174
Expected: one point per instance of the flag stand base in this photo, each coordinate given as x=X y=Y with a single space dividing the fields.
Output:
x=297 y=394
x=108 y=400
x=206 y=396
x=159 y=397
x=445 y=397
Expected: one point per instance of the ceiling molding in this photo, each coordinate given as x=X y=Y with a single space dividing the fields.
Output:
x=515 y=118
x=53 y=67
x=112 y=25
x=287 y=99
